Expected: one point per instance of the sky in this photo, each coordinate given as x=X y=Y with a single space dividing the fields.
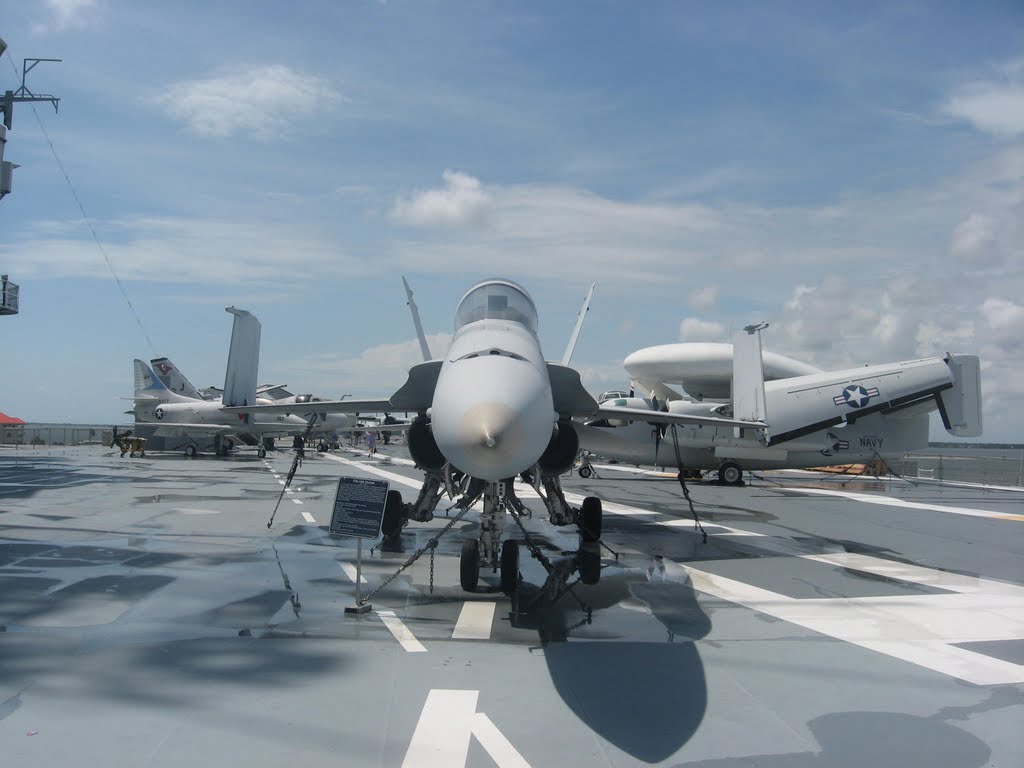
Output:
x=853 y=174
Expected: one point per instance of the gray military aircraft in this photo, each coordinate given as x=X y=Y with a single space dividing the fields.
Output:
x=817 y=417
x=489 y=411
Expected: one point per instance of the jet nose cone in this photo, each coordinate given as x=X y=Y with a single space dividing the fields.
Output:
x=491 y=426
x=492 y=417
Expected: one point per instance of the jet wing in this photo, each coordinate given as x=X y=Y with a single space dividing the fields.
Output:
x=183 y=430
x=661 y=417
x=317 y=406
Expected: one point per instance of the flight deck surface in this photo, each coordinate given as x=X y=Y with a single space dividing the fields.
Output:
x=148 y=616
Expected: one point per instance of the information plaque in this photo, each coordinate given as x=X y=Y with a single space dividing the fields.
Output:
x=359 y=507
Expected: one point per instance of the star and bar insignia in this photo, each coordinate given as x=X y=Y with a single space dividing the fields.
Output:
x=855 y=396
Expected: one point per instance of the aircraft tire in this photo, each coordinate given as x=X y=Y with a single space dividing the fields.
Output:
x=509 y=565
x=730 y=473
x=262 y=452
x=469 y=565
x=322 y=447
x=585 y=472
x=590 y=519
x=190 y=451
x=391 y=521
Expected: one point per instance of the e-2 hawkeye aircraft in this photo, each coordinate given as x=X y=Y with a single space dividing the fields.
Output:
x=818 y=418
x=490 y=411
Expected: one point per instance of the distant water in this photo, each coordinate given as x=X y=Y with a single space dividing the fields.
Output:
x=992 y=466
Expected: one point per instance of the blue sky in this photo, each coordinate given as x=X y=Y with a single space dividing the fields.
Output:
x=853 y=174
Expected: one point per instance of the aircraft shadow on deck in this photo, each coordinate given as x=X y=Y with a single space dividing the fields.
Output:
x=646 y=698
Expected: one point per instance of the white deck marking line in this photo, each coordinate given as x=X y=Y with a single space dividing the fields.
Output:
x=498 y=747
x=281 y=482
x=634 y=470
x=919 y=574
x=447 y=723
x=401 y=632
x=308 y=517
x=394 y=476
x=441 y=738
x=920 y=629
x=296 y=501
x=889 y=501
x=350 y=571
x=475 y=621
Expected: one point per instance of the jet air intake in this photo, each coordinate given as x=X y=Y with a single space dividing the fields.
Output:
x=422 y=446
x=560 y=454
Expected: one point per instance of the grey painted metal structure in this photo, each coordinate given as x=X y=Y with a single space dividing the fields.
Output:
x=147 y=616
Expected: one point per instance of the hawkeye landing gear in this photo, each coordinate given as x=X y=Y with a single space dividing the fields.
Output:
x=261 y=452
x=730 y=473
x=190 y=451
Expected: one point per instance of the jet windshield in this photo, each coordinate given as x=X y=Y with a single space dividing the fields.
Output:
x=497 y=300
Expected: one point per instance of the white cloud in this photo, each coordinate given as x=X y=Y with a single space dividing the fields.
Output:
x=694 y=329
x=264 y=102
x=975 y=240
x=66 y=14
x=461 y=202
x=376 y=372
x=1005 y=323
x=703 y=298
x=994 y=106
x=169 y=250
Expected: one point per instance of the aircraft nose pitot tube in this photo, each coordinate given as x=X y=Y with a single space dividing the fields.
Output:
x=493 y=415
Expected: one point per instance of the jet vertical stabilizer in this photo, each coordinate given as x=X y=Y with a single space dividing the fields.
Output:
x=571 y=346
x=961 y=406
x=174 y=379
x=243 y=359
x=748 y=401
x=144 y=380
x=424 y=349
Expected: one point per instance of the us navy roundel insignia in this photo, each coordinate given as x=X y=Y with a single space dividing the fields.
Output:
x=159 y=413
x=855 y=396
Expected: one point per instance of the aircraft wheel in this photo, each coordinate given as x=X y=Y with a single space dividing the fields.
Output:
x=190 y=451
x=228 y=445
x=469 y=565
x=589 y=560
x=730 y=473
x=262 y=452
x=509 y=565
x=585 y=471
x=321 y=447
x=590 y=519
x=391 y=522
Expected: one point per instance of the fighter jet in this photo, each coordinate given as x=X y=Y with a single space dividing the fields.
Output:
x=490 y=411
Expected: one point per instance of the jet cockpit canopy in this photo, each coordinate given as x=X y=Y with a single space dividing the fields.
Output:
x=497 y=299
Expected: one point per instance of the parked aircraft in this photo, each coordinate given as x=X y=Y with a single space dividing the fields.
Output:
x=820 y=418
x=318 y=425
x=492 y=410
x=177 y=415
